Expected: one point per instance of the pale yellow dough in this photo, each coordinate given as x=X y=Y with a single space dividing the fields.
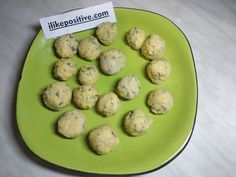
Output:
x=57 y=96
x=64 y=69
x=85 y=97
x=135 y=38
x=128 y=87
x=112 y=61
x=160 y=101
x=136 y=123
x=106 y=33
x=153 y=47
x=103 y=139
x=88 y=74
x=89 y=48
x=71 y=124
x=66 y=46
x=158 y=70
x=108 y=104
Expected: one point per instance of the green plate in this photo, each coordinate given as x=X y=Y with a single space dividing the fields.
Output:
x=169 y=133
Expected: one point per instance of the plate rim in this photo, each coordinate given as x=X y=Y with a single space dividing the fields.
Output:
x=71 y=170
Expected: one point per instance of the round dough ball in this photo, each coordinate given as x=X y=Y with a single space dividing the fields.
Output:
x=160 y=101
x=71 y=124
x=57 y=96
x=108 y=104
x=88 y=74
x=153 y=47
x=158 y=70
x=103 y=139
x=85 y=97
x=89 y=48
x=128 y=87
x=135 y=38
x=136 y=123
x=112 y=61
x=106 y=33
x=64 y=69
x=66 y=46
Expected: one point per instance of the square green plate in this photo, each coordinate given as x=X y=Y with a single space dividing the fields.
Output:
x=164 y=141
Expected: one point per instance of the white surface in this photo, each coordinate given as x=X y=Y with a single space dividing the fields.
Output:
x=210 y=27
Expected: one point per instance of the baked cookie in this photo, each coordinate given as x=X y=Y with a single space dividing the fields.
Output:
x=103 y=139
x=57 y=96
x=71 y=124
x=160 y=101
x=64 y=69
x=106 y=33
x=136 y=123
x=128 y=87
x=66 y=46
x=112 y=61
x=158 y=70
x=135 y=38
x=153 y=47
x=85 y=97
x=108 y=104
x=89 y=48
x=88 y=74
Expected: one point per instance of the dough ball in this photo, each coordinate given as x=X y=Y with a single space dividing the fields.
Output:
x=112 y=61
x=160 y=101
x=57 y=96
x=128 y=87
x=71 y=124
x=106 y=33
x=153 y=47
x=108 y=104
x=158 y=70
x=89 y=48
x=66 y=46
x=88 y=74
x=103 y=139
x=85 y=96
x=136 y=123
x=135 y=38
x=64 y=69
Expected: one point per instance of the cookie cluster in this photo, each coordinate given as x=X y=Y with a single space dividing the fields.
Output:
x=58 y=95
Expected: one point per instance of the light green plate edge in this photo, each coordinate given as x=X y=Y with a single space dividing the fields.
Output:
x=170 y=132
